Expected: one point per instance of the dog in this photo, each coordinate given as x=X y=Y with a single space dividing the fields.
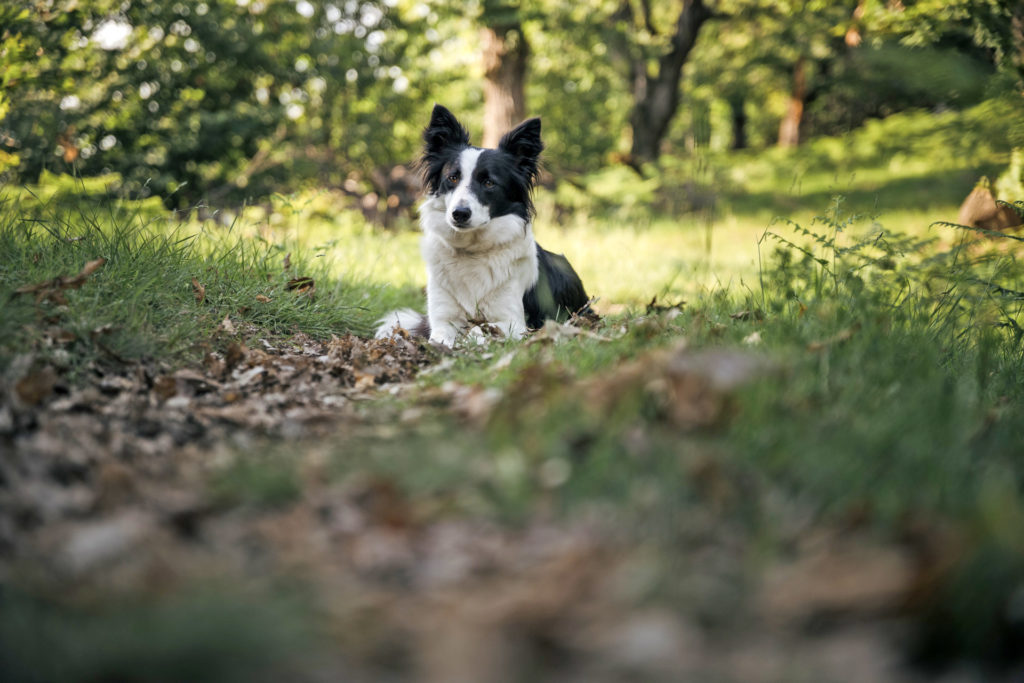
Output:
x=484 y=268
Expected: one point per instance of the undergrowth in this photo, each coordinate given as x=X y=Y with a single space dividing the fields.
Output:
x=161 y=292
x=889 y=394
x=893 y=402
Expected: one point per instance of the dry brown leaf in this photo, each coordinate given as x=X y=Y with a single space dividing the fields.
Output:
x=235 y=355
x=756 y=314
x=303 y=285
x=287 y=261
x=364 y=380
x=837 y=338
x=554 y=332
x=52 y=290
x=96 y=543
x=263 y=299
x=693 y=388
x=60 y=336
x=846 y=576
x=654 y=307
x=165 y=387
x=198 y=291
x=475 y=403
x=87 y=270
x=226 y=325
x=215 y=365
x=36 y=385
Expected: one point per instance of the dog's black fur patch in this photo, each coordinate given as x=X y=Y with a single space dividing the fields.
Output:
x=558 y=293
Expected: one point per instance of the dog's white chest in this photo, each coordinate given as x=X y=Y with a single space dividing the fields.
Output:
x=476 y=272
x=477 y=275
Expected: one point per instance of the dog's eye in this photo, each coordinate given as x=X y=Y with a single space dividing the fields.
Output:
x=487 y=182
x=453 y=178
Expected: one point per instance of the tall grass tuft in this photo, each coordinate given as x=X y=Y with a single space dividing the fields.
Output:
x=163 y=292
x=904 y=352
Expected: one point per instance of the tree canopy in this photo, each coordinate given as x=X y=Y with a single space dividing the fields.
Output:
x=230 y=100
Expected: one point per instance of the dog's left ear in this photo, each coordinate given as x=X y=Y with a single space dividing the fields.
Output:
x=523 y=142
x=444 y=131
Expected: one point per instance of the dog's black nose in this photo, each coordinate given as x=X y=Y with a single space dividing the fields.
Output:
x=460 y=215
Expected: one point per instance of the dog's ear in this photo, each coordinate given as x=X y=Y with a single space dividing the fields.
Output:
x=442 y=135
x=444 y=130
x=523 y=142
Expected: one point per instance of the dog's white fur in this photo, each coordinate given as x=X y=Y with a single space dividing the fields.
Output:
x=475 y=274
x=404 y=318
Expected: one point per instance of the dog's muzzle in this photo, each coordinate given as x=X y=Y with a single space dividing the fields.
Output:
x=460 y=216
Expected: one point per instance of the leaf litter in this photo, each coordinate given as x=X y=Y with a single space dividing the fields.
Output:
x=53 y=290
x=105 y=487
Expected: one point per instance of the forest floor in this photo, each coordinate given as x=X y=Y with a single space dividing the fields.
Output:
x=789 y=451
x=224 y=520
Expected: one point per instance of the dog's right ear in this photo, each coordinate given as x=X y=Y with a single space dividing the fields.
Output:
x=444 y=131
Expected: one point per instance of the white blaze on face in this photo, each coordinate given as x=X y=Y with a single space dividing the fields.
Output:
x=462 y=196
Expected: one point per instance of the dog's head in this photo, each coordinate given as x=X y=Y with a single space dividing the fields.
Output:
x=478 y=185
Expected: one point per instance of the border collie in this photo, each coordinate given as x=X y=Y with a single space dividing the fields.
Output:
x=483 y=265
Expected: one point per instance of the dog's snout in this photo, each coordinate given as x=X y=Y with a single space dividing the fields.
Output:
x=461 y=214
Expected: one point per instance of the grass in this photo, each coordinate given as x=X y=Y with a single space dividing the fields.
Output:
x=181 y=638
x=893 y=350
x=164 y=290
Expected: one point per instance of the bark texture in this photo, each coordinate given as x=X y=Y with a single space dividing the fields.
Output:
x=505 y=56
x=656 y=95
x=789 y=128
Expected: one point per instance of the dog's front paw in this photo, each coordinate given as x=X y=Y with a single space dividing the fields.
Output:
x=442 y=339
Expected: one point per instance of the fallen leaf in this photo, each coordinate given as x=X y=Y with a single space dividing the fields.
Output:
x=837 y=338
x=215 y=365
x=226 y=325
x=36 y=385
x=89 y=268
x=250 y=375
x=263 y=299
x=504 y=362
x=555 y=332
x=235 y=355
x=364 y=380
x=165 y=387
x=60 y=336
x=694 y=389
x=198 y=291
x=304 y=285
x=198 y=380
x=99 y=542
x=756 y=314
x=475 y=403
x=847 y=576
x=52 y=290
x=655 y=307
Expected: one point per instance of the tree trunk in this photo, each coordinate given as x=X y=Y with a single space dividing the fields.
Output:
x=789 y=128
x=738 y=116
x=505 y=54
x=656 y=96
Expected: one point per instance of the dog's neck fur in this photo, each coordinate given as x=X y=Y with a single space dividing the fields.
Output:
x=500 y=232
